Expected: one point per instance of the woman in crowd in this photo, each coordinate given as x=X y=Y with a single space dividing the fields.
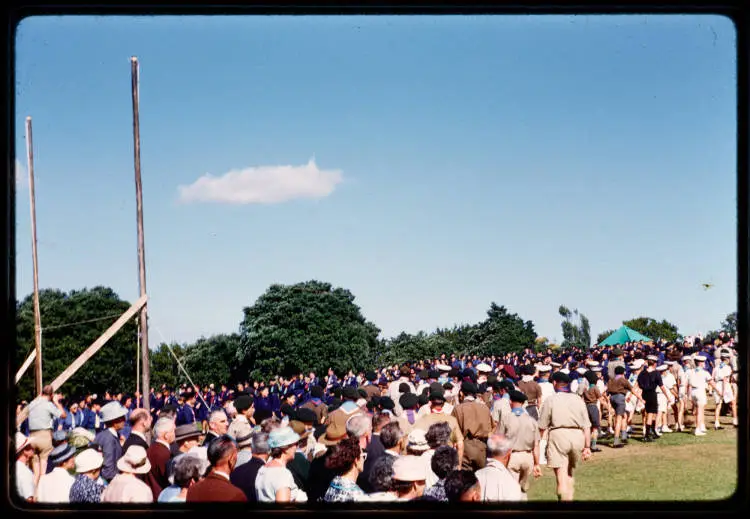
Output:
x=126 y=487
x=275 y=482
x=87 y=487
x=347 y=462
x=188 y=470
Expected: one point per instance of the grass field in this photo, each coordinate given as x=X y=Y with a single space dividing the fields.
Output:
x=676 y=467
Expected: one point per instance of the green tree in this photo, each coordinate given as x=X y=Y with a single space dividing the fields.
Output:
x=729 y=325
x=311 y=325
x=213 y=359
x=653 y=329
x=576 y=329
x=502 y=332
x=164 y=369
x=70 y=323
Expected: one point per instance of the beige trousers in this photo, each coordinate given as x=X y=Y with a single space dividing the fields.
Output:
x=42 y=441
x=521 y=464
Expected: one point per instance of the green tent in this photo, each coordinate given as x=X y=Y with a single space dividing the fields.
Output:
x=623 y=335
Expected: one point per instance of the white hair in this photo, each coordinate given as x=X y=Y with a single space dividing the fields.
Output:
x=359 y=425
x=498 y=446
x=163 y=425
x=216 y=414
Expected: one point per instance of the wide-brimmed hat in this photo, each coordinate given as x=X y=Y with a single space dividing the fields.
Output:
x=61 y=453
x=299 y=428
x=484 y=368
x=186 y=431
x=112 y=411
x=135 y=461
x=443 y=367
x=409 y=468
x=282 y=437
x=88 y=460
x=245 y=441
x=418 y=440
x=22 y=441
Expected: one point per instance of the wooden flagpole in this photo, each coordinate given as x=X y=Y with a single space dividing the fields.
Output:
x=37 y=314
x=143 y=318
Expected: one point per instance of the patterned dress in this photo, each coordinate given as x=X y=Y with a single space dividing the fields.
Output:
x=85 y=490
x=343 y=491
x=437 y=491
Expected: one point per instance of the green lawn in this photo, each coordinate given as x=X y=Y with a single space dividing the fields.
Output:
x=676 y=467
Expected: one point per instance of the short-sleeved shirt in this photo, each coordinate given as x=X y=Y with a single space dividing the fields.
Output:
x=649 y=380
x=523 y=429
x=564 y=410
x=591 y=395
x=698 y=379
x=619 y=386
x=42 y=414
x=532 y=391
x=721 y=372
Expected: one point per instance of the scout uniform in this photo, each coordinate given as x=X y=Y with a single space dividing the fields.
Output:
x=531 y=389
x=520 y=426
x=566 y=417
x=475 y=422
x=547 y=390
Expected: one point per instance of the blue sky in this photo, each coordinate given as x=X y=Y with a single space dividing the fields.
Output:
x=531 y=161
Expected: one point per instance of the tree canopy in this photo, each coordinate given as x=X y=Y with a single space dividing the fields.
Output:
x=70 y=323
x=306 y=326
x=576 y=329
x=654 y=329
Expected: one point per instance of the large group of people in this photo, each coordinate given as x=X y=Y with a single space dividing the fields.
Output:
x=448 y=429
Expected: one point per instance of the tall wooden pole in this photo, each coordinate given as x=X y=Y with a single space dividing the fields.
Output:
x=37 y=314
x=143 y=318
x=137 y=359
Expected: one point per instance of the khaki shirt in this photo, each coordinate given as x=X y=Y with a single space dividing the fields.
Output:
x=564 y=410
x=499 y=407
x=474 y=419
x=523 y=429
x=424 y=422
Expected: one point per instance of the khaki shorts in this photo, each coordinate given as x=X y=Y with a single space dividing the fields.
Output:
x=521 y=465
x=564 y=448
x=699 y=398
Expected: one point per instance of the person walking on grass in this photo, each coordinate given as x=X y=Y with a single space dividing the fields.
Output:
x=649 y=381
x=698 y=381
x=634 y=402
x=721 y=376
x=566 y=418
x=664 y=401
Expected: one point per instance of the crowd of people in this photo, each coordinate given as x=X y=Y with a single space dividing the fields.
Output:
x=449 y=429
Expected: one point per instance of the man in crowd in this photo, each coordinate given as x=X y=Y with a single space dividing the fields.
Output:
x=523 y=430
x=496 y=481
x=475 y=422
x=42 y=413
x=140 y=429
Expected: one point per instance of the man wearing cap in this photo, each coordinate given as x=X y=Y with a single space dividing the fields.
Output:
x=501 y=403
x=722 y=374
x=316 y=403
x=42 y=413
x=369 y=386
x=475 y=422
x=113 y=416
x=698 y=381
x=649 y=381
x=566 y=418
x=523 y=431
x=547 y=390
x=531 y=389
x=55 y=486
x=186 y=413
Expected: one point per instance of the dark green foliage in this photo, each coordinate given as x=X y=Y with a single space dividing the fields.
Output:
x=653 y=329
x=112 y=368
x=213 y=359
x=729 y=325
x=306 y=326
x=501 y=333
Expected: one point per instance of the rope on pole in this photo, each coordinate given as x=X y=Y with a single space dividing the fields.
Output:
x=179 y=364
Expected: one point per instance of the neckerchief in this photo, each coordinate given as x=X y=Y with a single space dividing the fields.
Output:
x=562 y=389
x=410 y=416
x=518 y=411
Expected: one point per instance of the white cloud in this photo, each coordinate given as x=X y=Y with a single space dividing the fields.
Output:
x=263 y=185
x=21 y=176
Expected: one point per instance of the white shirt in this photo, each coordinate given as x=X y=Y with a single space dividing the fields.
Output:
x=698 y=379
x=24 y=480
x=722 y=372
x=55 y=487
x=498 y=484
x=547 y=389
x=426 y=458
